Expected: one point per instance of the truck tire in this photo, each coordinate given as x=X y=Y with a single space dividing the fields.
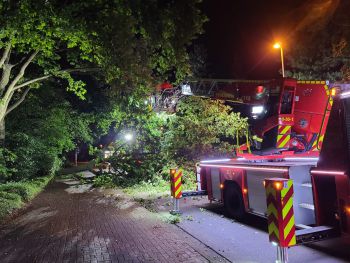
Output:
x=233 y=201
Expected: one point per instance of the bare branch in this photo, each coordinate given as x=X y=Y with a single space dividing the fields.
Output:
x=5 y=55
x=5 y=78
x=31 y=81
x=19 y=62
x=9 y=92
x=17 y=103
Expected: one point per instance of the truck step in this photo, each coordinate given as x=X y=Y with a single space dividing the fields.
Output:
x=307 y=185
x=313 y=234
x=307 y=206
x=194 y=193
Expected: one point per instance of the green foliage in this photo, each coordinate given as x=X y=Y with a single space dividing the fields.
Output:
x=14 y=194
x=7 y=205
x=103 y=180
x=202 y=128
x=320 y=49
x=171 y=219
x=7 y=159
x=49 y=131
x=27 y=190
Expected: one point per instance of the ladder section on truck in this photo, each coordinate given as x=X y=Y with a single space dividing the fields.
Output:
x=303 y=201
x=256 y=189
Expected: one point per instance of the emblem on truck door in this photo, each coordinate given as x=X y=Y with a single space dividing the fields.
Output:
x=303 y=123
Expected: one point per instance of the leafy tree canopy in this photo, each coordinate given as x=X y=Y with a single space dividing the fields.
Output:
x=321 y=41
x=129 y=42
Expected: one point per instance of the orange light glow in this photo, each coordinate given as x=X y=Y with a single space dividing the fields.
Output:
x=172 y=171
x=278 y=185
x=347 y=209
x=221 y=186
x=245 y=190
x=264 y=183
x=277 y=45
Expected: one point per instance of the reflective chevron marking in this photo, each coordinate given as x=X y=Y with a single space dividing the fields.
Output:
x=176 y=184
x=280 y=214
x=283 y=137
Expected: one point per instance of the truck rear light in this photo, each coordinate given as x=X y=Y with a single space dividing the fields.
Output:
x=221 y=186
x=245 y=190
x=277 y=185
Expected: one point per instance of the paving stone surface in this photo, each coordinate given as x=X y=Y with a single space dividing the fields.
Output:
x=72 y=223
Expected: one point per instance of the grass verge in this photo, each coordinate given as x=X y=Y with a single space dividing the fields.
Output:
x=13 y=195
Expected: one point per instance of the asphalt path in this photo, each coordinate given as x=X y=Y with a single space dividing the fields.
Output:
x=247 y=241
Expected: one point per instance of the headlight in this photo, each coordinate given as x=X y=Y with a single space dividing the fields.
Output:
x=257 y=109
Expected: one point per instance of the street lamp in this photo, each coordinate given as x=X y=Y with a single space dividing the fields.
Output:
x=279 y=46
x=128 y=137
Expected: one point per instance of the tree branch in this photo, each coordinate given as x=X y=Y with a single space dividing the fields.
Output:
x=5 y=78
x=51 y=75
x=9 y=92
x=17 y=103
x=5 y=55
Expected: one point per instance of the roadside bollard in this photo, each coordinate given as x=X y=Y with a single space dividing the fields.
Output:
x=176 y=189
x=280 y=215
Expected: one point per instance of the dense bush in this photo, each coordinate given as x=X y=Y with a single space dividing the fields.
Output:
x=14 y=194
x=25 y=189
x=38 y=145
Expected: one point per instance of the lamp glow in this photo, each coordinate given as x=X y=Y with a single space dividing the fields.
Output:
x=128 y=136
x=278 y=45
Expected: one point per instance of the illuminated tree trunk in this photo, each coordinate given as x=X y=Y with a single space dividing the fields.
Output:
x=2 y=132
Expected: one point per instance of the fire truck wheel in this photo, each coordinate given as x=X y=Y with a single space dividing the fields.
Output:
x=233 y=201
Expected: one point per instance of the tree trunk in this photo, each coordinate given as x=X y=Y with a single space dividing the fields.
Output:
x=2 y=132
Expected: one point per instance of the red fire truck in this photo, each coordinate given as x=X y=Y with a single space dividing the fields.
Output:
x=284 y=115
x=314 y=153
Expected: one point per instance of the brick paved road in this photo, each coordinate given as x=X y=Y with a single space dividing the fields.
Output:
x=65 y=225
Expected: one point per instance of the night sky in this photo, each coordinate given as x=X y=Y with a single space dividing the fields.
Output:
x=240 y=35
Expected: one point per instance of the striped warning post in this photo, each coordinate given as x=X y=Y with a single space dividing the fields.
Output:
x=176 y=184
x=283 y=137
x=280 y=213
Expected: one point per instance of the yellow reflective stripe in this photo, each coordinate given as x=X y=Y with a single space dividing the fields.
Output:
x=288 y=227
x=287 y=207
x=178 y=172
x=273 y=229
x=311 y=82
x=285 y=130
x=177 y=182
x=178 y=191
x=282 y=144
x=285 y=190
x=271 y=209
x=293 y=241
